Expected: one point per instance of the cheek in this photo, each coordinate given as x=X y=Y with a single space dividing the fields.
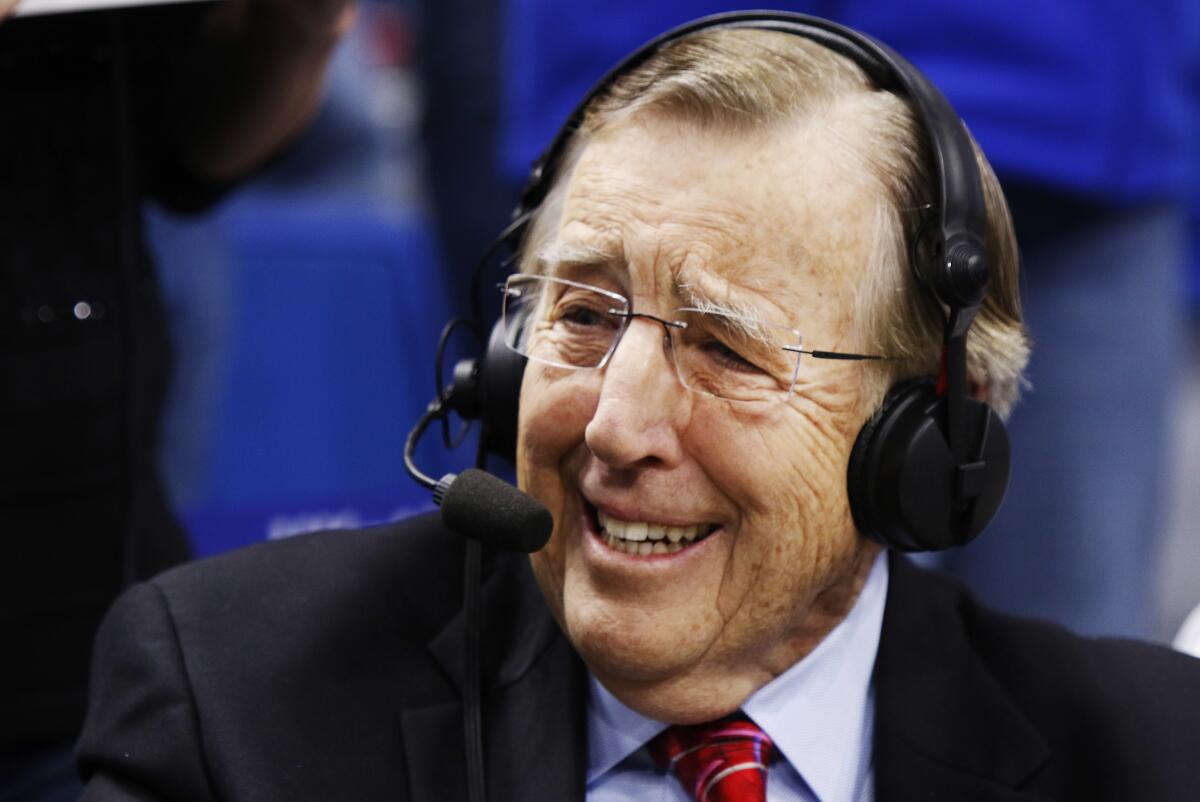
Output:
x=790 y=464
x=555 y=408
x=787 y=476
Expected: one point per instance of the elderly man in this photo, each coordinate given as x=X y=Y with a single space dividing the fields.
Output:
x=715 y=298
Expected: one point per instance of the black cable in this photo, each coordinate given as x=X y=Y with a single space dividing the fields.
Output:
x=472 y=573
x=432 y=413
x=472 y=691
x=444 y=391
x=472 y=704
x=440 y=356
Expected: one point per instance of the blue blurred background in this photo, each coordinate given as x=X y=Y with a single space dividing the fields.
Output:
x=305 y=309
x=304 y=312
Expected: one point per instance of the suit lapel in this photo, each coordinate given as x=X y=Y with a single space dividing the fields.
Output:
x=535 y=732
x=535 y=693
x=944 y=728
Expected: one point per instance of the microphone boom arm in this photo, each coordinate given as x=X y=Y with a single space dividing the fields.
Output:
x=435 y=411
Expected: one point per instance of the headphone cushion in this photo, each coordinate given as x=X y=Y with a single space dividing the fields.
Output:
x=500 y=375
x=862 y=471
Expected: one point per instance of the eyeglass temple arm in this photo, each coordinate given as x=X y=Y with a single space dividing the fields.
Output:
x=671 y=324
x=832 y=354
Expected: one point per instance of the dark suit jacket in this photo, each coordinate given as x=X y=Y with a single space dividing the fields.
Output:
x=328 y=667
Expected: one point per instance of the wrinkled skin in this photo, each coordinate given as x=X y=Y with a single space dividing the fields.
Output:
x=775 y=220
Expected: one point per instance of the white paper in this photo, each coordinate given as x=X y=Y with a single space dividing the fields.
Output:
x=33 y=8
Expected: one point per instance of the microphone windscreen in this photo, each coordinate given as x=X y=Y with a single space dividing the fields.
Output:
x=483 y=507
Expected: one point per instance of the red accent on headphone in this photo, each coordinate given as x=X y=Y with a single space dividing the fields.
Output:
x=943 y=380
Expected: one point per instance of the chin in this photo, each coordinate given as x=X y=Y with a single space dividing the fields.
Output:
x=655 y=672
x=689 y=697
x=622 y=653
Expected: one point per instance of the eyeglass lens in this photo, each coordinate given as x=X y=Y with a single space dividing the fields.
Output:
x=563 y=323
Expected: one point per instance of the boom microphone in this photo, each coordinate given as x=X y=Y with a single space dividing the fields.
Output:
x=480 y=506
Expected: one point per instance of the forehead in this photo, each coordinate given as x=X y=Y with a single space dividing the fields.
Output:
x=780 y=215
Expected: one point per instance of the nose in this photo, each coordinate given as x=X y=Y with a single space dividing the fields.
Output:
x=642 y=408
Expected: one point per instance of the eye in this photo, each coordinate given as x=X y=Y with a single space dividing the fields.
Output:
x=581 y=312
x=728 y=358
x=580 y=315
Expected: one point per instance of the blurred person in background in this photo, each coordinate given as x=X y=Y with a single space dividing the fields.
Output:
x=102 y=109
x=1085 y=112
x=460 y=61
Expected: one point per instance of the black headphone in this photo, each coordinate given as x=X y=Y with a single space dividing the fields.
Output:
x=929 y=469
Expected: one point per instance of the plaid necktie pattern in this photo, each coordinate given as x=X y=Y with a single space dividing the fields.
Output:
x=720 y=761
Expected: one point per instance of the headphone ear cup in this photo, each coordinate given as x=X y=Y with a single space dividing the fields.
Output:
x=862 y=476
x=499 y=377
x=903 y=480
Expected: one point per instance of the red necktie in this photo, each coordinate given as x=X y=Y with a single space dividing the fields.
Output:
x=721 y=761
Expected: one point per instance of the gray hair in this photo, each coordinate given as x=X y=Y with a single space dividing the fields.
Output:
x=745 y=79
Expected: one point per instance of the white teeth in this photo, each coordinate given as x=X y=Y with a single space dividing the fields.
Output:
x=639 y=537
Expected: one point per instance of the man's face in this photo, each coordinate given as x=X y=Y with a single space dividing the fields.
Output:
x=773 y=222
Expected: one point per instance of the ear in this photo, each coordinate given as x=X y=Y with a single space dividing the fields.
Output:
x=978 y=389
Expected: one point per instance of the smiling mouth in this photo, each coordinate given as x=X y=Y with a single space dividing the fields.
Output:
x=644 y=539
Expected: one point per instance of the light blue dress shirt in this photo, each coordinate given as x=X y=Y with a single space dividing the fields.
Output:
x=820 y=713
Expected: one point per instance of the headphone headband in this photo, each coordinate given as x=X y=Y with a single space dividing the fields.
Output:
x=959 y=274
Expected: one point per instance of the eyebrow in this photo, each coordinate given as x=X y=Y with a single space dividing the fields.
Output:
x=577 y=254
x=743 y=318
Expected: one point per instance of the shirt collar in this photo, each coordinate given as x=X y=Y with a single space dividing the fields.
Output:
x=819 y=712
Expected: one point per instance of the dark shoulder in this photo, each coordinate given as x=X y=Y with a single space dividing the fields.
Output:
x=280 y=671
x=1127 y=708
x=1128 y=676
x=404 y=578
